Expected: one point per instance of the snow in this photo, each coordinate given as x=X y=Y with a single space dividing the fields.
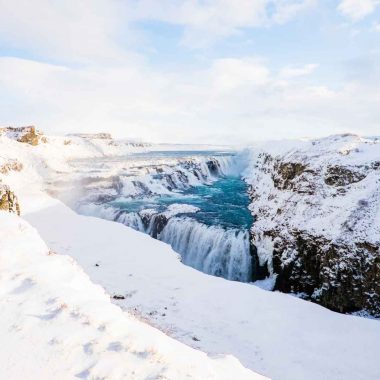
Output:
x=180 y=208
x=56 y=324
x=280 y=336
x=329 y=203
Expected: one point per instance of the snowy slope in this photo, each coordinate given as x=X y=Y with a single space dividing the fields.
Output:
x=278 y=335
x=56 y=324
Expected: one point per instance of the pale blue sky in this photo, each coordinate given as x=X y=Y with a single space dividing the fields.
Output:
x=192 y=71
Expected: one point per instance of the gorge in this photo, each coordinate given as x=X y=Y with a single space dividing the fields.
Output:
x=195 y=201
x=302 y=216
x=204 y=204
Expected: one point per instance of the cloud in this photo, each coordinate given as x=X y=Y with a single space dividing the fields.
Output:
x=288 y=10
x=292 y=72
x=62 y=30
x=104 y=30
x=231 y=73
x=204 y=22
x=78 y=70
x=357 y=9
x=232 y=99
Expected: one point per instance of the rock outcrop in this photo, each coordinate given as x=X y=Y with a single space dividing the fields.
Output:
x=8 y=200
x=10 y=165
x=317 y=220
x=28 y=135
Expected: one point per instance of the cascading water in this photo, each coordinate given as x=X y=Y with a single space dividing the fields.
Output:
x=195 y=205
x=210 y=249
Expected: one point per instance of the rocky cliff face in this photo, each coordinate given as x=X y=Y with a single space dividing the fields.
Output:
x=8 y=200
x=317 y=211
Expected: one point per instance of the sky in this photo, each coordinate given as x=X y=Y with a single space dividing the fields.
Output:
x=197 y=71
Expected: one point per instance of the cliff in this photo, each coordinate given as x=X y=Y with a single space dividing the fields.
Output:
x=317 y=219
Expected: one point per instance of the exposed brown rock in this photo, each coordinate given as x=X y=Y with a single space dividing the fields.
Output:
x=28 y=135
x=293 y=176
x=11 y=165
x=8 y=200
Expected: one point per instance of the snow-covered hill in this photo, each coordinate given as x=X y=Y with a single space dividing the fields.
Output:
x=317 y=210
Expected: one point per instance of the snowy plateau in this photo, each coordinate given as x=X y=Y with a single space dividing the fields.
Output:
x=96 y=282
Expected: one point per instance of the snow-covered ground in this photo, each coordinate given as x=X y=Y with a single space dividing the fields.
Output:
x=56 y=324
x=49 y=299
x=278 y=335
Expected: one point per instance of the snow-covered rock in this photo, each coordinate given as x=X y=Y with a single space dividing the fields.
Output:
x=317 y=219
x=8 y=200
x=27 y=135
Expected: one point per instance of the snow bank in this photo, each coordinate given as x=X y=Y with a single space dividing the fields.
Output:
x=56 y=324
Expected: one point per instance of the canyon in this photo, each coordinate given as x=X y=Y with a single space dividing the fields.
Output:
x=307 y=223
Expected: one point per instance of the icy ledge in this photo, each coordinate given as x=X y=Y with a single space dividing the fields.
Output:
x=58 y=325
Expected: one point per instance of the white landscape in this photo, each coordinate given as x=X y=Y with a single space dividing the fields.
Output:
x=60 y=271
x=190 y=189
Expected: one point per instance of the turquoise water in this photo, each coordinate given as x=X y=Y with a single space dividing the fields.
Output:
x=214 y=240
x=223 y=203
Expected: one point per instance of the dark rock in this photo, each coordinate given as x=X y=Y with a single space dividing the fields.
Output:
x=342 y=176
x=157 y=224
x=328 y=273
x=118 y=297
x=293 y=176
x=259 y=272
x=213 y=166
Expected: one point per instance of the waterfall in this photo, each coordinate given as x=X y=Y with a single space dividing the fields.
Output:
x=163 y=179
x=130 y=219
x=210 y=249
